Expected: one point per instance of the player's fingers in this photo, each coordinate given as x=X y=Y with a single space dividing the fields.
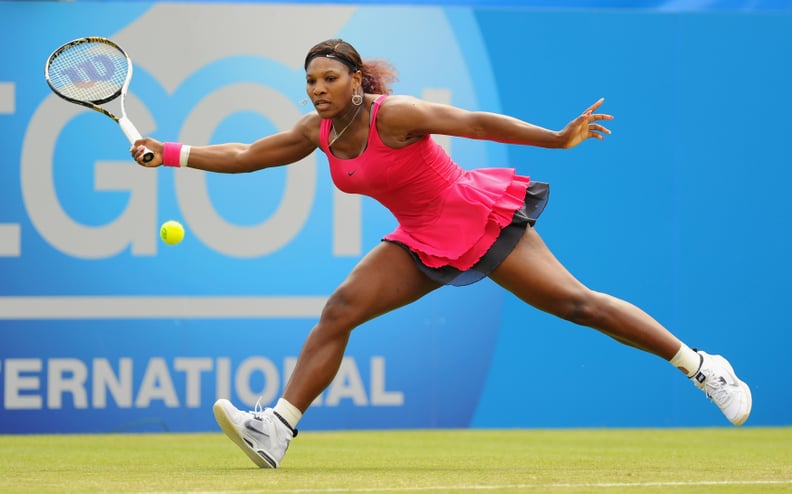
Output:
x=599 y=128
x=593 y=107
x=138 y=152
x=600 y=116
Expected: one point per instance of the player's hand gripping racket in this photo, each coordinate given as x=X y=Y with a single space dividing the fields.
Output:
x=90 y=72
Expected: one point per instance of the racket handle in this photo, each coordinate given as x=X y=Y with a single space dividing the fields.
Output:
x=133 y=135
x=148 y=155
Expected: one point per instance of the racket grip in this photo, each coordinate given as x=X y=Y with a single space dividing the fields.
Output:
x=133 y=135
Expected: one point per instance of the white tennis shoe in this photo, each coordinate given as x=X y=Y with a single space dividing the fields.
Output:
x=717 y=379
x=261 y=434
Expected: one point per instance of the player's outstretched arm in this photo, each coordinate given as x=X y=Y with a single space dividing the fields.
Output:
x=410 y=117
x=278 y=149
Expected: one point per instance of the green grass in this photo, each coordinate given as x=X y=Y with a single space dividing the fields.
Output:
x=722 y=460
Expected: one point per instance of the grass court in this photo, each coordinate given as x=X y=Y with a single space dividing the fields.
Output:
x=700 y=461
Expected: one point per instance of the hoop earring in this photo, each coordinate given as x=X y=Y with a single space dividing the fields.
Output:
x=357 y=99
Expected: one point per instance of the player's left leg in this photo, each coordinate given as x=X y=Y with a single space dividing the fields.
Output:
x=533 y=274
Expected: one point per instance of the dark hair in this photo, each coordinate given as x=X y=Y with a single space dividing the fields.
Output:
x=377 y=74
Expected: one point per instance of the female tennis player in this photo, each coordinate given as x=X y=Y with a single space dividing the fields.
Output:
x=454 y=227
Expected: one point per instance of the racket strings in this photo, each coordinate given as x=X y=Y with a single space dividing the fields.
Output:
x=91 y=71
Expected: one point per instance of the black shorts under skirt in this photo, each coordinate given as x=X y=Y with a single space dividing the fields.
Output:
x=536 y=197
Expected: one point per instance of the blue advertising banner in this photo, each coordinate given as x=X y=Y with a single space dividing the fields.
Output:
x=105 y=328
x=115 y=329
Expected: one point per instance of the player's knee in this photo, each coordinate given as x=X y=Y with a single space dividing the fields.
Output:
x=342 y=311
x=583 y=309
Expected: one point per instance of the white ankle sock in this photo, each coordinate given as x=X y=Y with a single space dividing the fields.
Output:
x=289 y=412
x=686 y=360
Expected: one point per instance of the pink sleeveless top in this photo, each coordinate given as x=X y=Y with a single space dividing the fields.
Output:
x=447 y=215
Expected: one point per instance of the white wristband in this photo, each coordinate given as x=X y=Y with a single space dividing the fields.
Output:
x=184 y=155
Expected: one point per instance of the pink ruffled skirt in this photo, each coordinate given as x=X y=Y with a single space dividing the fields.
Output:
x=483 y=217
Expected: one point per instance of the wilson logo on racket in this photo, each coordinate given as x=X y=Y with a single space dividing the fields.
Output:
x=99 y=68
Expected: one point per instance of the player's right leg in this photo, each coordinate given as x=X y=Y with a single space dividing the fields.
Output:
x=385 y=279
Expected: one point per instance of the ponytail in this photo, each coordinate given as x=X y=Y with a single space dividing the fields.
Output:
x=378 y=75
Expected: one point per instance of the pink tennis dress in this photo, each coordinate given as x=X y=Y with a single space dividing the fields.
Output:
x=447 y=216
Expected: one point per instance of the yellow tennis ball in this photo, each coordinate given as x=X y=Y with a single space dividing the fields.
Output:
x=172 y=232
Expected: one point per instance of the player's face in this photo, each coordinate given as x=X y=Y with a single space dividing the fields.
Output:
x=330 y=86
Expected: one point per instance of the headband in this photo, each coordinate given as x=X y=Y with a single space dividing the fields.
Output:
x=334 y=56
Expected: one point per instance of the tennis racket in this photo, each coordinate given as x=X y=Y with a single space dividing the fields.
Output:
x=90 y=72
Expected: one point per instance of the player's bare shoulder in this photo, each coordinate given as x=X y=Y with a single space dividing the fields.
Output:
x=400 y=106
x=399 y=119
x=413 y=118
